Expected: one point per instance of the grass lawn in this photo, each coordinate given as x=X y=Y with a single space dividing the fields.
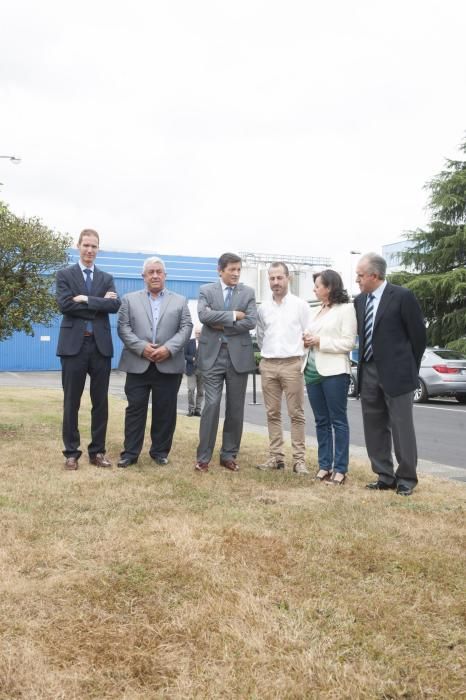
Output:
x=159 y=582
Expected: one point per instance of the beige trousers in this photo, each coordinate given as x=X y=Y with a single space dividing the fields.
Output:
x=278 y=377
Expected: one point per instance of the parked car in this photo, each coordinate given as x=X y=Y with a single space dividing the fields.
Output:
x=442 y=373
x=353 y=381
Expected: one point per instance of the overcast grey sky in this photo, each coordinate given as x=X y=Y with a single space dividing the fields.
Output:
x=196 y=126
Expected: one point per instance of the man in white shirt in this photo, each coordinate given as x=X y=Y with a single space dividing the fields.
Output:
x=281 y=323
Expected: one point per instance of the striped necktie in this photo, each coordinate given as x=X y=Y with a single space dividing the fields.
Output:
x=368 y=323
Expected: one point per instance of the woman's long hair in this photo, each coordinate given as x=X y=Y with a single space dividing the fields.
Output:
x=332 y=280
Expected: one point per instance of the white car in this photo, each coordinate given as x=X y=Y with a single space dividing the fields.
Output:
x=442 y=373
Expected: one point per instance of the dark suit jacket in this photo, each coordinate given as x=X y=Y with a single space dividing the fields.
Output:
x=190 y=357
x=398 y=338
x=70 y=283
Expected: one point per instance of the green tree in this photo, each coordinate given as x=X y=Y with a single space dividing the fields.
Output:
x=29 y=255
x=438 y=257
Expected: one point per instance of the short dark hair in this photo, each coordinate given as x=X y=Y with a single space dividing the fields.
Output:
x=332 y=280
x=227 y=259
x=88 y=232
x=280 y=264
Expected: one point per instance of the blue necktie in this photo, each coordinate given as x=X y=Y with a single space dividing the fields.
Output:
x=88 y=283
x=88 y=280
x=368 y=324
x=228 y=297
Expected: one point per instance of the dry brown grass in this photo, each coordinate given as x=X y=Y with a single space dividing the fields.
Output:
x=158 y=582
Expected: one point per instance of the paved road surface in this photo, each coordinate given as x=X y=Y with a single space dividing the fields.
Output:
x=440 y=425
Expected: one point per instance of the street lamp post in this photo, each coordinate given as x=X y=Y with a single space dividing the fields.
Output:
x=352 y=252
x=12 y=159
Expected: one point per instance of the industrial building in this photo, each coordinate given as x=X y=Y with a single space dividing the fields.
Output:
x=185 y=275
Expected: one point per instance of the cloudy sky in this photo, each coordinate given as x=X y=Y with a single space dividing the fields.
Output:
x=196 y=126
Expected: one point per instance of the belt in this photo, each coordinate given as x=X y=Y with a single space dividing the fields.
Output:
x=88 y=334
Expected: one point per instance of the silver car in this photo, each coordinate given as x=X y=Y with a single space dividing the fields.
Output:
x=442 y=373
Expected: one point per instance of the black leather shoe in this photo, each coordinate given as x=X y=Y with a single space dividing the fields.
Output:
x=126 y=461
x=381 y=486
x=403 y=490
x=162 y=461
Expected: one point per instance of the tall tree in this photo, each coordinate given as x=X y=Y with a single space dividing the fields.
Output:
x=437 y=257
x=29 y=255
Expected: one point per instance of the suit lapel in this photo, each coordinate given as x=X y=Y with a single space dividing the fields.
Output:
x=146 y=305
x=79 y=278
x=383 y=304
x=219 y=298
x=236 y=294
x=164 y=304
x=96 y=279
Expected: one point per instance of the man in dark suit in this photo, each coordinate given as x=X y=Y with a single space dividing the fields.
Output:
x=227 y=310
x=85 y=296
x=392 y=340
x=155 y=325
x=194 y=377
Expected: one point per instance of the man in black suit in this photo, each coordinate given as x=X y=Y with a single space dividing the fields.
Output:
x=85 y=296
x=392 y=340
x=194 y=377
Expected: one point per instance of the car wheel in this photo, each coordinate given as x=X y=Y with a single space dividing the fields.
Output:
x=461 y=398
x=351 y=386
x=420 y=394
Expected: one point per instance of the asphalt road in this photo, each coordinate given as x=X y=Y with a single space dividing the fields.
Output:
x=440 y=424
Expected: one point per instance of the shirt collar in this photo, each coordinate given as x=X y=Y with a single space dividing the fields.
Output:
x=159 y=295
x=377 y=293
x=83 y=267
x=227 y=286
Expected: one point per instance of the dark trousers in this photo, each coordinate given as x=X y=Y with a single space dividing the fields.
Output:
x=75 y=369
x=164 y=389
x=388 y=420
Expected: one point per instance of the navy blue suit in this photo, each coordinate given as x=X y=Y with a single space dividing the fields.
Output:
x=83 y=354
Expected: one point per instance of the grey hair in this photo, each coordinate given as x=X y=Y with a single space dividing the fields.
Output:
x=152 y=261
x=376 y=264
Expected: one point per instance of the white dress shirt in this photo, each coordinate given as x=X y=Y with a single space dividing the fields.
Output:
x=280 y=327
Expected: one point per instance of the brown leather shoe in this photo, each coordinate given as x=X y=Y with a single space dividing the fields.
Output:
x=71 y=463
x=202 y=466
x=230 y=464
x=99 y=460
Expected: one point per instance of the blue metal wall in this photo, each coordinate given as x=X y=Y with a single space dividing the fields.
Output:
x=184 y=275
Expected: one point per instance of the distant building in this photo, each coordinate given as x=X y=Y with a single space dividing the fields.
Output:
x=185 y=275
x=392 y=254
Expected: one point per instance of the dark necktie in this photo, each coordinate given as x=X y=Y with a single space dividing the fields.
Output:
x=88 y=283
x=88 y=280
x=368 y=323
x=228 y=297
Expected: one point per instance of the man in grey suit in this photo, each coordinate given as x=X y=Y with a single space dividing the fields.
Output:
x=227 y=311
x=154 y=325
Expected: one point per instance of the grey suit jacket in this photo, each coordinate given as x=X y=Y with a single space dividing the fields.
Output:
x=135 y=326
x=211 y=312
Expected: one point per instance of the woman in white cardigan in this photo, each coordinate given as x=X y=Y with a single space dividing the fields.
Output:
x=330 y=338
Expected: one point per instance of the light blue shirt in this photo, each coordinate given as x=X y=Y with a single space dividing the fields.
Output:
x=155 y=304
x=83 y=267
